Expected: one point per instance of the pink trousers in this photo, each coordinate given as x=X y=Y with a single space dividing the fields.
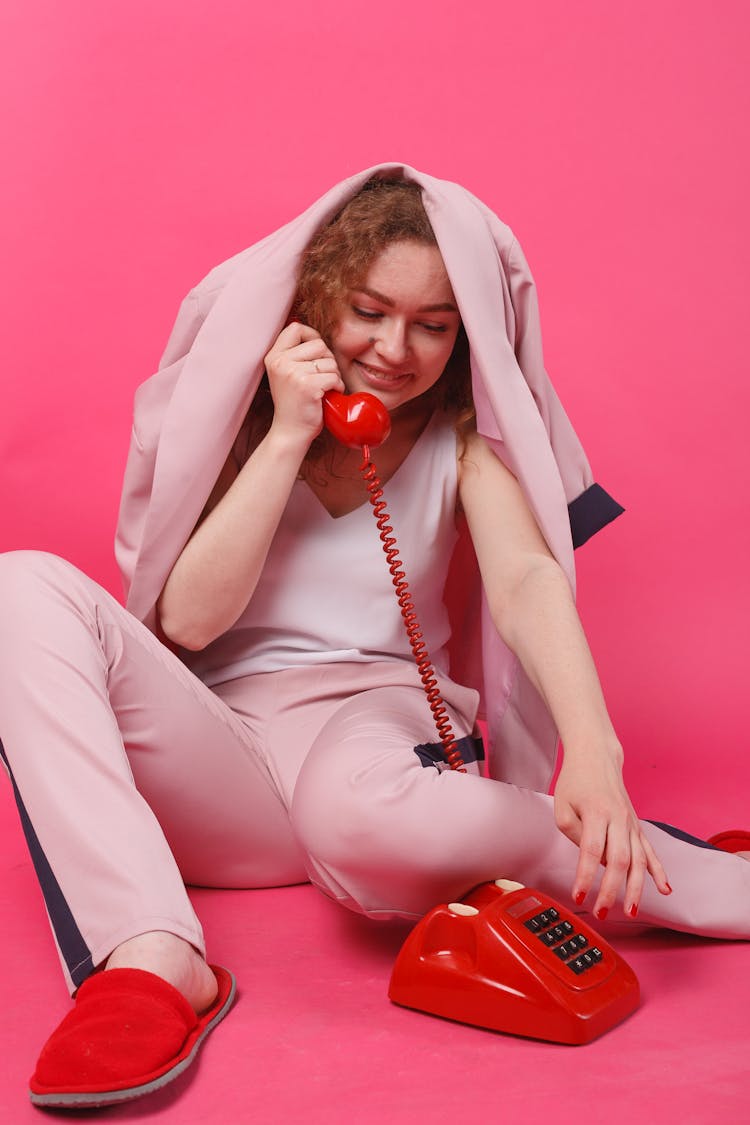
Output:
x=133 y=778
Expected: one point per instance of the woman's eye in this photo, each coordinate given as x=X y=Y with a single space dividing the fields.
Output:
x=371 y=314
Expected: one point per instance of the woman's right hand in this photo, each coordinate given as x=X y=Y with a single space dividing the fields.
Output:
x=301 y=368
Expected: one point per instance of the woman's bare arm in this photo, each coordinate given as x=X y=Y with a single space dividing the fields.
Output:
x=219 y=567
x=533 y=610
x=218 y=570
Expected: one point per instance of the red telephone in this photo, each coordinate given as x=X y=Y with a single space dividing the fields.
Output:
x=505 y=957
x=357 y=421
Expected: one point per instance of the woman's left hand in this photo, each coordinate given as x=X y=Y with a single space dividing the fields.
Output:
x=593 y=809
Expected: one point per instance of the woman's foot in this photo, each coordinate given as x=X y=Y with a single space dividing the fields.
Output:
x=129 y=1033
x=172 y=959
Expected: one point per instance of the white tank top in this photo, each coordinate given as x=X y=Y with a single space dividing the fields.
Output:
x=326 y=594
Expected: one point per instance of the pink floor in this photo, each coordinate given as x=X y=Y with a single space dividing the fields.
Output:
x=313 y=1037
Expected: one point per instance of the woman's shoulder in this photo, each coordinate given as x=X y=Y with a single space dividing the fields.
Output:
x=478 y=464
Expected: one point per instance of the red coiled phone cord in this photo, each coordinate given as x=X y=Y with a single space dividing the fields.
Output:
x=411 y=624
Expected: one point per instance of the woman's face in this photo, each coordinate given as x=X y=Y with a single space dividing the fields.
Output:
x=397 y=329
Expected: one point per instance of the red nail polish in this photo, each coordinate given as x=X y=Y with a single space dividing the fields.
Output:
x=633 y=910
x=669 y=889
x=602 y=913
x=580 y=897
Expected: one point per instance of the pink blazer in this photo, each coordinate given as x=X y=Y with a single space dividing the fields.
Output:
x=188 y=414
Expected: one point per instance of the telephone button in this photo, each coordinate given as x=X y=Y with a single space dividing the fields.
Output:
x=541 y=921
x=596 y=953
x=578 y=966
x=577 y=942
x=549 y=938
x=462 y=908
x=563 y=952
x=508 y=885
x=567 y=926
x=559 y=933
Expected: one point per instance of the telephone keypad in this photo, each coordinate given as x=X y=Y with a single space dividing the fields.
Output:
x=559 y=935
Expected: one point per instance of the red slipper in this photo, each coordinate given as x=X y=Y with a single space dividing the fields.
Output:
x=733 y=840
x=130 y=1033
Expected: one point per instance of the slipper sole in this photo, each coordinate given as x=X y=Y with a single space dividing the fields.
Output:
x=70 y=1099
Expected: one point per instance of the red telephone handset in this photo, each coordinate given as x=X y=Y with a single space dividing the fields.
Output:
x=505 y=957
x=357 y=421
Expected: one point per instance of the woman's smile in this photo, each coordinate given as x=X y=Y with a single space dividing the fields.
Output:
x=377 y=377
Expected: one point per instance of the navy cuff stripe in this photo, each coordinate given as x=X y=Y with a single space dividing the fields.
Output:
x=471 y=750
x=76 y=953
x=590 y=512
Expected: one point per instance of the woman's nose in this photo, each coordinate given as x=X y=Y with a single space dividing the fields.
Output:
x=392 y=342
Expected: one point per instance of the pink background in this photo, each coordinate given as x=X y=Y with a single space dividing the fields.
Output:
x=145 y=142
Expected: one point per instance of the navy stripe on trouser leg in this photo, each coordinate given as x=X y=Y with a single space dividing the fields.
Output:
x=73 y=948
x=680 y=835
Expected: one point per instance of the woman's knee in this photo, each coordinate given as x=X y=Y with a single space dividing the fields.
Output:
x=20 y=570
x=20 y=573
x=28 y=579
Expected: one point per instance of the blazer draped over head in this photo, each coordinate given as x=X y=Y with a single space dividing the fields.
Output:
x=188 y=414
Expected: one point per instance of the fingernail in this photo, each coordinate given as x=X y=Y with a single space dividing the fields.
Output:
x=669 y=889
x=579 y=898
x=601 y=913
x=633 y=910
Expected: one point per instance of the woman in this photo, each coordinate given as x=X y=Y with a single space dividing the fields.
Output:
x=287 y=737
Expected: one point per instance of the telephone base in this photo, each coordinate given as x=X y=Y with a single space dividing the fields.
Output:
x=509 y=958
